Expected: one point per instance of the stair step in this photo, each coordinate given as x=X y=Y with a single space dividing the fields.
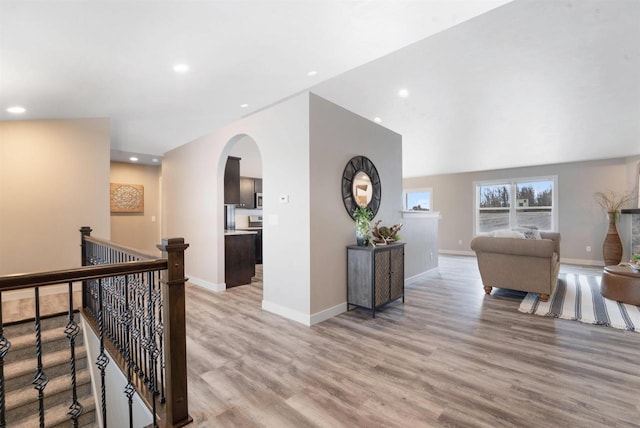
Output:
x=20 y=373
x=52 y=339
x=23 y=402
x=25 y=327
x=57 y=416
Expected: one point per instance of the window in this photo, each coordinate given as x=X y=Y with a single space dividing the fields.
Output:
x=510 y=203
x=418 y=200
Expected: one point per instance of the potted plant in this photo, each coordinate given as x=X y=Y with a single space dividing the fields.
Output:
x=363 y=217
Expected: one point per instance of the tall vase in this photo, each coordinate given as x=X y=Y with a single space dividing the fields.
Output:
x=612 y=246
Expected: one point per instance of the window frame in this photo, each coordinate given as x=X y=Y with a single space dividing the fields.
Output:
x=405 y=197
x=513 y=205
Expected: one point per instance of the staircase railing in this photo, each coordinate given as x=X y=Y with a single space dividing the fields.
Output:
x=135 y=303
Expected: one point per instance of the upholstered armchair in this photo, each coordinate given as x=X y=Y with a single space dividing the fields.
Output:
x=530 y=265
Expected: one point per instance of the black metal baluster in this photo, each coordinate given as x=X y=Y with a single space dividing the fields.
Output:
x=160 y=332
x=146 y=331
x=72 y=329
x=40 y=380
x=5 y=345
x=103 y=360
x=153 y=356
x=129 y=390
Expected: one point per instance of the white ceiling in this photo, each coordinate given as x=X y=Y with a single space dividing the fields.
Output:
x=73 y=59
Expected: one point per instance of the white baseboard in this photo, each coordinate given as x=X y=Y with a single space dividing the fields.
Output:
x=8 y=296
x=206 y=284
x=408 y=281
x=457 y=253
x=285 y=312
x=583 y=262
x=305 y=319
x=328 y=313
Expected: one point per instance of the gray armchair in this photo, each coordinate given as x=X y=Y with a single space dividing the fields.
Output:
x=530 y=265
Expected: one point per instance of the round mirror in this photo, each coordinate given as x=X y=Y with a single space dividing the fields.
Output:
x=362 y=191
x=361 y=185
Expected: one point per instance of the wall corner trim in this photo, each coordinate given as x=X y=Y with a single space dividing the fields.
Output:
x=325 y=314
x=286 y=312
x=206 y=284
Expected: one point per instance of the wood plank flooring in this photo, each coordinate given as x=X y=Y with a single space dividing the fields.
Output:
x=450 y=356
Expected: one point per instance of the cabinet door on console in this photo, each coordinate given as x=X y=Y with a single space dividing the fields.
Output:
x=382 y=278
x=397 y=272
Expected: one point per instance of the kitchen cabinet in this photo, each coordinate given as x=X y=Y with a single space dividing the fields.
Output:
x=239 y=257
x=232 y=181
x=375 y=275
x=259 y=247
x=249 y=186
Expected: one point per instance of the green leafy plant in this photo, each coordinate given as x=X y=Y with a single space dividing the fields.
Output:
x=363 y=217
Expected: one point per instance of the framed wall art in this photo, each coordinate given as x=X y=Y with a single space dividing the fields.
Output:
x=127 y=198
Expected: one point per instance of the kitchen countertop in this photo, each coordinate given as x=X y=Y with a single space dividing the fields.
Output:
x=228 y=232
x=249 y=228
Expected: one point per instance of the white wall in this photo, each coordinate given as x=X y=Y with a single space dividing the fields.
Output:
x=420 y=232
x=337 y=135
x=251 y=162
x=192 y=198
x=304 y=142
x=54 y=179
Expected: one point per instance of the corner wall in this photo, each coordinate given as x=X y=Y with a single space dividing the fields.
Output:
x=54 y=179
x=193 y=203
x=337 y=135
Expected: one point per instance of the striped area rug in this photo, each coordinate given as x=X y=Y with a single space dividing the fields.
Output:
x=578 y=298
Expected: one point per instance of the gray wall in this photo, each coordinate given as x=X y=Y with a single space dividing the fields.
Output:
x=337 y=135
x=581 y=221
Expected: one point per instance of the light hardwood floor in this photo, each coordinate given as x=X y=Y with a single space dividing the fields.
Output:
x=450 y=356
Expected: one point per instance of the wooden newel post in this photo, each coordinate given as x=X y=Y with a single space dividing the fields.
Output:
x=84 y=232
x=175 y=335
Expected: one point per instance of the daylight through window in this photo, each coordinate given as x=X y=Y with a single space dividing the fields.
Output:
x=418 y=200
x=506 y=204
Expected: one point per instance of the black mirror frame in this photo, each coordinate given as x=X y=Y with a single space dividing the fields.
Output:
x=354 y=166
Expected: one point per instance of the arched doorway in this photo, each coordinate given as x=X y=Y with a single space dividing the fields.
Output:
x=242 y=188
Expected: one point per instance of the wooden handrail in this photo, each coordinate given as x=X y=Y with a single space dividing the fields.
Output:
x=122 y=248
x=85 y=273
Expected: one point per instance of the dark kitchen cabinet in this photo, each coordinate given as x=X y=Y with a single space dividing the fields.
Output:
x=240 y=260
x=232 y=181
x=247 y=199
x=249 y=186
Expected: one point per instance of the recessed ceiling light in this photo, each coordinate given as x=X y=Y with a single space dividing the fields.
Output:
x=377 y=119
x=181 y=68
x=133 y=159
x=403 y=93
x=244 y=105
x=155 y=160
x=16 y=109
x=312 y=73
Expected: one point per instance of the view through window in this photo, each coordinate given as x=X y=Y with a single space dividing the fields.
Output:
x=418 y=200
x=513 y=203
